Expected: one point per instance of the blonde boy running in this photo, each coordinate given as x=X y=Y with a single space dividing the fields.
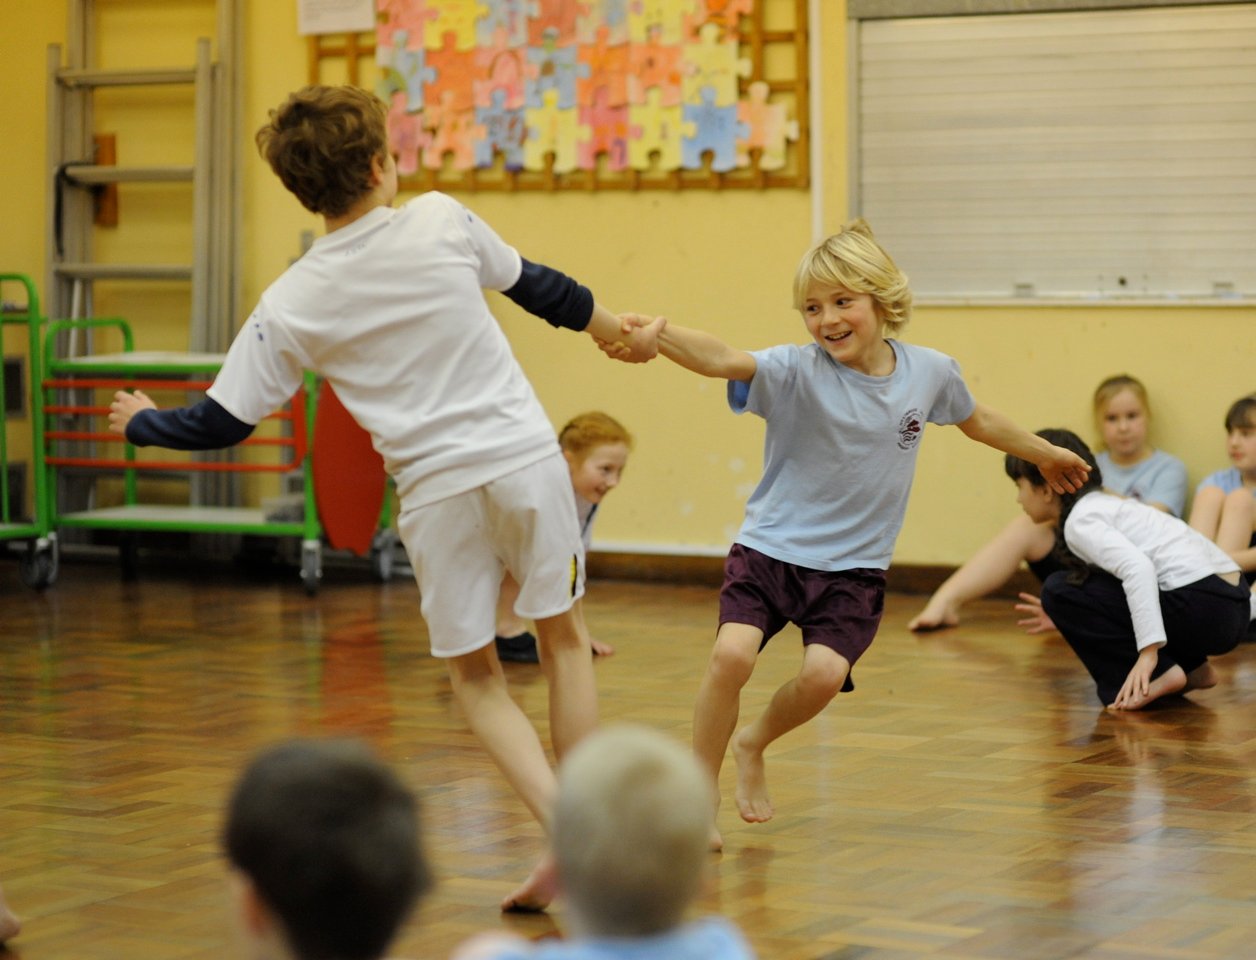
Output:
x=845 y=415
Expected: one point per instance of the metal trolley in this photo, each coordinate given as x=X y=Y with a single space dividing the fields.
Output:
x=77 y=391
x=38 y=563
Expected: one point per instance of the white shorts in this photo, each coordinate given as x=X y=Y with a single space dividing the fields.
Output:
x=460 y=547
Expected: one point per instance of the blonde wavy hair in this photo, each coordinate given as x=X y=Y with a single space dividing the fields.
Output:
x=854 y=260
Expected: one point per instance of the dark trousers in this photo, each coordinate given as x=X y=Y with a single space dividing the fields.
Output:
x=1201 y=620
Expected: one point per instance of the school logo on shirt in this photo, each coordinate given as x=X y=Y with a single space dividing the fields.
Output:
x=910 y=428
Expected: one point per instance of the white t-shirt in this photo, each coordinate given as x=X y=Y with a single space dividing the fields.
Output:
x=390 y=309
x=1146 y=549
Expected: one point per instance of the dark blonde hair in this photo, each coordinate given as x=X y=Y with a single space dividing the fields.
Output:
x=1110 y=388
x=320 y=142
x=854 y=260
x=589 y=430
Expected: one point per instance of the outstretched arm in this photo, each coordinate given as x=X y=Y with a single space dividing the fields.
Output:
x=203 y=426
x=694 y=350
x=1064 y=470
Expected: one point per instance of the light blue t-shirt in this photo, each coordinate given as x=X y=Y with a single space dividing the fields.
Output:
x=1228 y=480
x=1161 y=478
x=840 y=450
x=711 y=938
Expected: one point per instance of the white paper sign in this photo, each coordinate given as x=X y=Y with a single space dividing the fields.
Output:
x=335 y=16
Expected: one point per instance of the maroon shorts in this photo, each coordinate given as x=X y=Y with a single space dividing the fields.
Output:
x=838 y=609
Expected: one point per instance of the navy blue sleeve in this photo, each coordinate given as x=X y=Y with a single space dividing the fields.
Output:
x=204 y=426
x=553 y=296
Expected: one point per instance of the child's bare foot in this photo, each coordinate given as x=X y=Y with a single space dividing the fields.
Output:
x=753 y=802
x=601 y=649
x=1202 y=677
x=936 y=615
x=1171 y=681
x=10 y=925
x=538 y=891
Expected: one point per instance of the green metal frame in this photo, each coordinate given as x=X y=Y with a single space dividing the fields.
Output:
x=309 y=529
x=41 y=523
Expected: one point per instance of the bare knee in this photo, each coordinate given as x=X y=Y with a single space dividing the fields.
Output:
x=1239 y=503
x=822 y=678
x=732 y=662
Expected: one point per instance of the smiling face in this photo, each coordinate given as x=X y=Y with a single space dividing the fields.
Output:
x=846 y=326
x=1123 y=424
x=599 y=472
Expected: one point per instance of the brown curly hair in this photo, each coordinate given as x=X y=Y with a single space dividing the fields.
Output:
x=320 y=142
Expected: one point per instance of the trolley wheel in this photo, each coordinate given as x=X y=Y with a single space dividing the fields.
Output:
x=383 y=552
x=311 y=565
x=38 y=567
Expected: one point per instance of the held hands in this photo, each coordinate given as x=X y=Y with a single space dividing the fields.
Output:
x=641 y=338
x=1134 y=691
x=1064 y=470
x=1036 y=619
x=126 y=405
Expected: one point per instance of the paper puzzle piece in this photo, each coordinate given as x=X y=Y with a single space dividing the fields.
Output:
x=598 y=17
x=553 y=18
x=655 y=129
x=658 y=21
x=499 y=130
x=767 y=129
x=410 y=16
x=457 y=17
x=654 y=66
x=608 y=133
x=500 y=68
x=551 y=129
x=455 y=75
x=606 y=68
x=713 y=63
x=504 y=22
x=551 y=67
x=725 y=14
x=406 y=135
x=452 y=130
x=403 y=68
x=715 y=130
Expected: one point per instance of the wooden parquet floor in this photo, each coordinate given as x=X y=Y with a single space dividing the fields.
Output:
x=969 y=800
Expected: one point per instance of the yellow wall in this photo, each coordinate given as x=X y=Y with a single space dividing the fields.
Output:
x=722 y=261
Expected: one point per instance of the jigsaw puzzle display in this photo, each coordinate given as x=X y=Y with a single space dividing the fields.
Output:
x=623 y=84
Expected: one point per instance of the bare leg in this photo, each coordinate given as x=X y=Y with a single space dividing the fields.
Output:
x=797 y=701
x=567 y=663
x=1203 y=677
x=599 y=648
x=480 y=689
x=10 y=925
x=986 y=570
x=719 y=700
x=1171 y=681
x=1206 y=511
x=1238 y=521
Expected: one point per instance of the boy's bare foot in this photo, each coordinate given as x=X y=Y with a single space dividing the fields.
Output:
x=538 y=891
x=1171 y=681
x=601 y=649
x=1202 y=677
x=936 y=615
x=753 y=802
